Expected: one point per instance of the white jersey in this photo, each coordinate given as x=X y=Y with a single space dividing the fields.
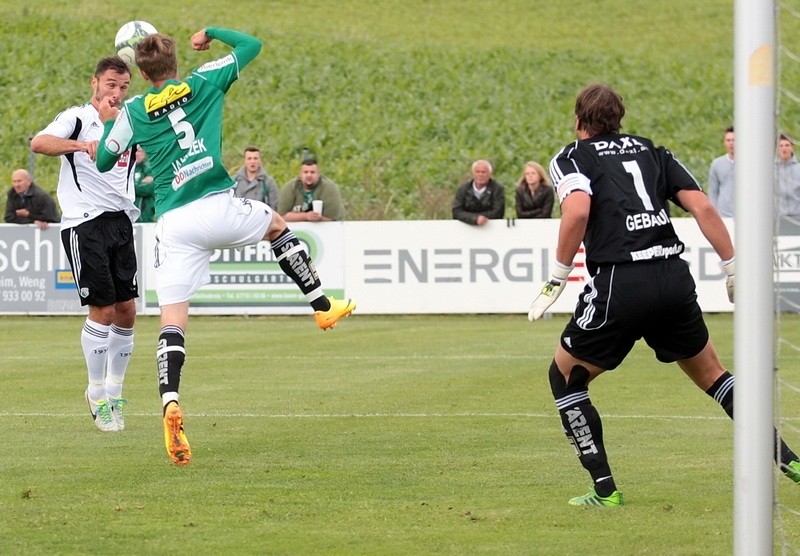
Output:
x=83 y=191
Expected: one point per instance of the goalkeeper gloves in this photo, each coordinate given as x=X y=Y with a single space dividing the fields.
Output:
x=729 y=267
x=550 y=291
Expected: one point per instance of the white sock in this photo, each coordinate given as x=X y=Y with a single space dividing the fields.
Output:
x=94 y=341
x=168 y=397
x=120 y=347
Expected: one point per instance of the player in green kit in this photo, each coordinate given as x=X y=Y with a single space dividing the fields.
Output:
x=179 y=125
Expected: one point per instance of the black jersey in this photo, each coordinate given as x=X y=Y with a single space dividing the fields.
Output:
x=629 y=180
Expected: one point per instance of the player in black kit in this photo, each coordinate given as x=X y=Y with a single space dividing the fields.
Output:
x=613 y=190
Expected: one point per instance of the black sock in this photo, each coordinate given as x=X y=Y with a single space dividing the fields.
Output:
x=584 y=430
x=722 y=392
x=582 y=425
x=321 y=303
x=297 y=265
x=170 y=356
x=605 y=486
x=787 y=455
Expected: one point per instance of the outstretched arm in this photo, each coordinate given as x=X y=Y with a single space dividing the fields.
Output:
x=709 y=221
x=714 y=230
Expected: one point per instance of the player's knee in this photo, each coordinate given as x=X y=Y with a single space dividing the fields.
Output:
x=558 y=384
x=578 y=380
x=125 y=313
x=276 y=227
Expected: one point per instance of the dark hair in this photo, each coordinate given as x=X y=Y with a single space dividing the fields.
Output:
x=156 y=56
x=786 y=137
x=728 y=129
x=114 y=63
x=252 y=149
x=309 y=162
x=599 y=110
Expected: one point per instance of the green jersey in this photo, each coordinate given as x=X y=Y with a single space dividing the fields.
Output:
x=179 y=126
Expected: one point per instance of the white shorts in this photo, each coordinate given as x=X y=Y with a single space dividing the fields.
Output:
x=187 y=236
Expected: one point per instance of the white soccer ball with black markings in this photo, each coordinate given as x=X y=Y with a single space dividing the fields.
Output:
x=127 y=37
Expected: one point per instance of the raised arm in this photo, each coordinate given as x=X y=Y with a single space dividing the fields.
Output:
x=245 y=47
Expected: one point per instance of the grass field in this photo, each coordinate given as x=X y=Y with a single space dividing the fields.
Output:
x=388 y=435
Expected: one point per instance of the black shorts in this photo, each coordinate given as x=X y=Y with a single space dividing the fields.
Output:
x=654 y=300
x=102 y=255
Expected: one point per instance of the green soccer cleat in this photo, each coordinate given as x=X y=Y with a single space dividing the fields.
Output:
x=792 y=470
x=592 y=499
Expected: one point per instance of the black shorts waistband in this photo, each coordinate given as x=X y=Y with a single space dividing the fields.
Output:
x=115 y=214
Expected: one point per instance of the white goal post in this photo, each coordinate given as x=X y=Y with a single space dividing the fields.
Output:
x=754 y=117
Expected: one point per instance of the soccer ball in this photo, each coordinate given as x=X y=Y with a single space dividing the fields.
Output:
x=127 y=37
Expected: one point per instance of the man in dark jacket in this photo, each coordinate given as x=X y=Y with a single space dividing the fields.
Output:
x=481 y=198
x=28 y=203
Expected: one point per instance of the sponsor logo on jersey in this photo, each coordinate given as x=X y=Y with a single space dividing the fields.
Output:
x=191 y=171
x=172 y=97
x=124 y=159
x=625 y=145
x=217 y=64
x=657 y=252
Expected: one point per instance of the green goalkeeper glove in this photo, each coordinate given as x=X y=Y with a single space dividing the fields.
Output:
x=550 y=291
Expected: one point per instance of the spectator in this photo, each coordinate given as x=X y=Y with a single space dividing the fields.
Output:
x=253 y=182
x=534 y=193
x=721 y=179
x=28 y=203
x=787 y=179
x=145 y=188
x=481 y=198
x=296 y=196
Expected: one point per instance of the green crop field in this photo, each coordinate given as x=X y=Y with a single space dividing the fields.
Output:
x=397 y=97
x=388 y=435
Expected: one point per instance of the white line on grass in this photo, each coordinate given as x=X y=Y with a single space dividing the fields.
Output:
x=327 y=357
x=385 y=415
